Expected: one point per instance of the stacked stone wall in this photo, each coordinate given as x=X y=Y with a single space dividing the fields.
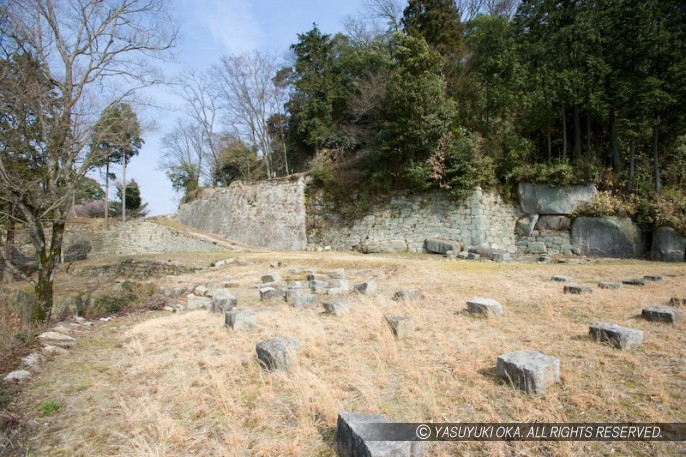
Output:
x=482 y=219
x=269 y=214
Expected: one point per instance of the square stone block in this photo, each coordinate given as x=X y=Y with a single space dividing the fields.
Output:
x=620 y=337
x=661 y=314
x=367 y=287
x=578 y=290
x=484 y=306
x=609 y=285
x=530 y=371
x=634 y=282
x=304 y=301
x=336 y=307
x=401 y=326
x=561 y=278
x=271 y=293
x=407 y=295
x=278 y=353
x=270 y=278
x=240 y=319
x=353 y=434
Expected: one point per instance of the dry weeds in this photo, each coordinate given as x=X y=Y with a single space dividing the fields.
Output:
x=183 y=384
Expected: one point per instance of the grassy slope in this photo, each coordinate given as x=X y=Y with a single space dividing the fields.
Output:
x=169 y=385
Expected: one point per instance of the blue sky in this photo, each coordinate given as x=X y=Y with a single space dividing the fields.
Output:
x=209 y=30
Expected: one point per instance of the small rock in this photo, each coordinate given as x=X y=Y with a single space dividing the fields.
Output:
x=609 y=285
x=530 y=371
x=484 y=306
x=271 y=293
x=472 y=256
x=57 y=339
x=634 y=282
x=619 y=337
x=240 y=319
x=271 y=278
x=17 y=376
x=278 y=353
x=401 y=326
x=561 y=278
x=32 y=361
x=200 y=291
x=653 y=278
x=661 y=314
x=368 y=287
x=336 y=307
x=54 y=350
x=578 y=290
x=407 y=295
x=222 y=301
x=338 y=273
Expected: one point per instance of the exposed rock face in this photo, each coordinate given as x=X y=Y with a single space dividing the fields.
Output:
x=555 y=223
x=668 y=245
x=544 y=199
x=607 y=237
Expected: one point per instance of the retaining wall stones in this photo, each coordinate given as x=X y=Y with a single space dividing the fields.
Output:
x=269 y=214
x=482 y=219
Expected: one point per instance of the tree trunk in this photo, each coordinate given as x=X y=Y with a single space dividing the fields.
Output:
x=47 y=267
x=656 y=160
x=107 y=195
x=123 y=191
x=564 y=134
x=6 y=275
x=616 y=163
x=577 y=133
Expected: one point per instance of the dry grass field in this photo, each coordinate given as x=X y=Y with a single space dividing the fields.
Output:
x=163 y=384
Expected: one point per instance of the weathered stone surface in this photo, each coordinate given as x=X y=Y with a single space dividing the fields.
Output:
x=338 y=273
x=293 y=293
x=463 y=255
x=222 y=301
x=561 y=278
x=57 y=339
x=77 y=251
x=368 y=287
x=661 y=314
x=32 y=361
x=441 y=246
x=668 y=245
x=537 y=247
x=195 y=302
x=342 y=284
x=336 y=307
x=278 y=353
x=652 y=278
x=336 y=291
x=384 y=247
x=607 y=237
x=318 y=287
x=554 y=223
x=473 y=256
x=407 y=295
x=355 y=438
x=620 y=337
x=488 y=253
x=530 y=371
x=484 y=306
x=270 y=278
x=634 y=282
x=544 y=199
x=304 y=301
x=200 y=291
x=609 y=285
x=17 y=376
x=401 y=326
x=240 y=319
x=501 y=257
x=271 y=293
x=525 y=224
x=578 y=290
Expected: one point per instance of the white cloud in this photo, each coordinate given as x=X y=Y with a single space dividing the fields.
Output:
x=231 y=23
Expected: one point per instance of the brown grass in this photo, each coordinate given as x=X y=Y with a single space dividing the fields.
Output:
x=172 y=385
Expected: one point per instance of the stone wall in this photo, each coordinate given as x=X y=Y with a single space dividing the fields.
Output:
x=139 y=237
x=482 y=219
x=269 y=214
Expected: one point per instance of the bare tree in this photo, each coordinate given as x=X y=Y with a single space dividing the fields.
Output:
x=186 y=156
x=202 y=107
x=87 y=55
x=250 y=96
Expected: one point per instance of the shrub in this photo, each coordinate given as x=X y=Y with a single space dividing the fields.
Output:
x=607 y=203
x=49 y=407
x=558 y=174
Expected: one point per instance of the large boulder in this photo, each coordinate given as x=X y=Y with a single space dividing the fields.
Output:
x=607 y=237
x=668 y=245
x=441 y=246
x=544 y=199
